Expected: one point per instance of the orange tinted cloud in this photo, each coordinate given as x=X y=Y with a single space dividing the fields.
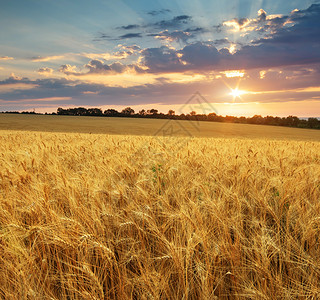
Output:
x=47 y=58
x=5 y=58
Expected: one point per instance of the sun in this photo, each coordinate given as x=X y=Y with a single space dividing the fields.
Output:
x=236 y=93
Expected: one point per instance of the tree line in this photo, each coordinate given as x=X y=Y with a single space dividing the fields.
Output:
x=290 y=121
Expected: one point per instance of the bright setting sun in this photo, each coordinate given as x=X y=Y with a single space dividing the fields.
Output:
x=236 y=93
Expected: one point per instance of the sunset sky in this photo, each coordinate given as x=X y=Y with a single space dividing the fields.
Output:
x=245 y=57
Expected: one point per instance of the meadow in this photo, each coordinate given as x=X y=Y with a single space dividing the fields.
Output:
x=101 y=216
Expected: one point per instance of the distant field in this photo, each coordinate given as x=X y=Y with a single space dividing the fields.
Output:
x=133 y=126
x=89 y=216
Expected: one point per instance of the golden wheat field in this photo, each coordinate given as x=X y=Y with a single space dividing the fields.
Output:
x=89 y=216
x=147 y=127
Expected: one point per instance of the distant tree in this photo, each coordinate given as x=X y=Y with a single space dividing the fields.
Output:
x=12 y=112
x=212 y=117
x=79 y=111
x=292 y=121
x=111 y=112
x=127 y=111
x=313 y=123
x=94 y=112
x=243 y=120
x=142 y=112
x=152 y=111
x=60 y=111
x=256 y=119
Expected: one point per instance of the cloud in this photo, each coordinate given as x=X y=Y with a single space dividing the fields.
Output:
x=297 y=44
x=201 y=55
x=32 y=100
x=196 y=29
x=158 y=12
x=304 y=28
x=131 y=48
x=291 y=83
x=5 y=58
x=123 y=53
x=96 y=66
x=13 y=79
x=265 y=24
x=177 y=35
x=103 y=36
x=165 y=24
x=130 y=36
x=293 y=40
x=174 y=22
x=220 y=42
x=163 y=91
x=237 y=24
x=163 y=59
x=46 y=58
x=129 y=27
x=45 y=71
x=69 y=70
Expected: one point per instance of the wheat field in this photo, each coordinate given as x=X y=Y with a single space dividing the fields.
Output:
x=152 y=127
x=89 y=216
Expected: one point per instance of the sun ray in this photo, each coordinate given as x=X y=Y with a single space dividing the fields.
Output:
x=236 y=93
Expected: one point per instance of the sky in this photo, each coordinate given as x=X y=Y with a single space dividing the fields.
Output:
x=244 y=57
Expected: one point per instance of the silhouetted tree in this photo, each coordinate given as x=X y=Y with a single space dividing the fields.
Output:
x=94 y=112
x=313 y=123
x=152 y=111
x=142 y=112
x=127 y=111
x=256 y=119
x=292 y=121
x=111 y=112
